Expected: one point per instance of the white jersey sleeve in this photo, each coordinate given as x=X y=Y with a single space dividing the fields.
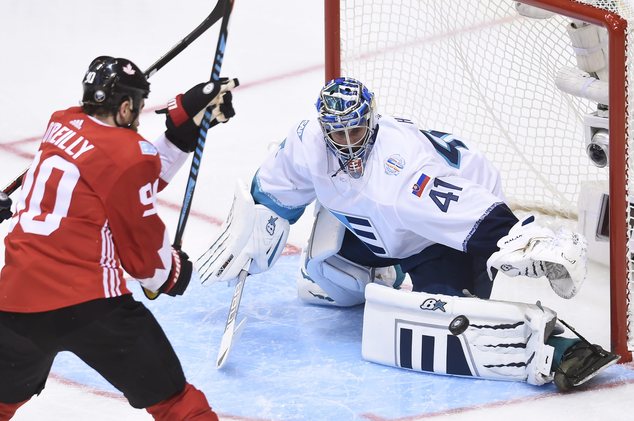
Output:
x=283 y=182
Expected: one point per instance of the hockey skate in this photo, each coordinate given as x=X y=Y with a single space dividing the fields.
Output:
x=580 y=363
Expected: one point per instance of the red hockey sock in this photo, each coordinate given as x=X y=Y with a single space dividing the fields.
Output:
x=190 y=405
x=7 y=410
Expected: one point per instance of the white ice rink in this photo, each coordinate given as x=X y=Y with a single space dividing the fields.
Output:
x=293 y=362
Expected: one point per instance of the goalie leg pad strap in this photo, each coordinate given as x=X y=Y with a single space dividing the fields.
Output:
x=504 y=340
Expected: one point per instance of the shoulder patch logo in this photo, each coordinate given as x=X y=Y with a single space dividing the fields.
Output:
x=419 y=186
x=300 y=128
x=77 y=123
x=394 y=164
x=147 y=148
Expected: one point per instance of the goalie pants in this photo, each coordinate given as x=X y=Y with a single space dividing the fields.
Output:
x=437 y=269
x=118 y=337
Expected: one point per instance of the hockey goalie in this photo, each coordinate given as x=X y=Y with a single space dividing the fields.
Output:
x=394 y=200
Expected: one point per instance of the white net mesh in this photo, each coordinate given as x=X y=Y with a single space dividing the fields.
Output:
x=479 y=70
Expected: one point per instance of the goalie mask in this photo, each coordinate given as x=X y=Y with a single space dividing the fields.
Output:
x=346 y=115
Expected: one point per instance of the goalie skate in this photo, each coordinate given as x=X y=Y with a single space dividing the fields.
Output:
x=580 y=363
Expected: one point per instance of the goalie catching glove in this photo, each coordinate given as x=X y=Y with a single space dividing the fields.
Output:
x=535 y=251
x=178 y=278
x=252 y=239
x=186 y=111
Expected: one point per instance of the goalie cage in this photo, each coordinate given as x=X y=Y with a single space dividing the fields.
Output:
x=478 y=69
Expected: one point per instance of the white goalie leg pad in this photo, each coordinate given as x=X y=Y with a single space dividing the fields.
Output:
x=325 y=277
x=309 y=291
x=504 y=340
x=252 y=238
x=534 y=251
x=590 y=47
x=325 y=240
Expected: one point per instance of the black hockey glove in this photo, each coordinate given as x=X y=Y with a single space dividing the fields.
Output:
x=178 y=278
x=5 y=207
x=186 y=111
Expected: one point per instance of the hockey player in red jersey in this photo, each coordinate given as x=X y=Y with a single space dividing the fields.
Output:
x=85 y=214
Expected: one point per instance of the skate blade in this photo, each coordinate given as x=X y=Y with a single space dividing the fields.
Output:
x=611 y=363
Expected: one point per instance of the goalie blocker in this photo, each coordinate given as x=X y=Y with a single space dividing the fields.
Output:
x=503 y=340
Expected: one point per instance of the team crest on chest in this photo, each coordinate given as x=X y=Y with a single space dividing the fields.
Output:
x=394 y=164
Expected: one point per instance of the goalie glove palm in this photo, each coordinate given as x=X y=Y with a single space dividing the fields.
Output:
x=534 y=251
x=186 y=111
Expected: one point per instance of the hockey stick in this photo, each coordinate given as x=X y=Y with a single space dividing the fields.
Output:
x=204 y=126
x=207 y=23
x=232 y=332
x=14 y=185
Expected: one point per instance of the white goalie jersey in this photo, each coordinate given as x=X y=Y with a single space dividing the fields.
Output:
x=419 y=187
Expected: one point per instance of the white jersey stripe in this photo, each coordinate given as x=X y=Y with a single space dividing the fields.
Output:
x=111 y=279
x=102 y=262
x=116 y=281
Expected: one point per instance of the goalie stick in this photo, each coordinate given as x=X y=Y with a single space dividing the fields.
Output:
x=207 y=23
x=232 y=332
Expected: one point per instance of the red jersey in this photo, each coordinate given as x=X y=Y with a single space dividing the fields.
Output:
x=86 y=213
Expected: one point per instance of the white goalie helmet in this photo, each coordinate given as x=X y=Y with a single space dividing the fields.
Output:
x=346 y=115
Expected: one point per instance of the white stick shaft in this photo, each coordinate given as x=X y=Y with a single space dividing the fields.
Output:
x=231 y=331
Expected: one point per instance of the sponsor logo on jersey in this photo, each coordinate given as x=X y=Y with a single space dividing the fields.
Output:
x=147 y=148
x=417 y=189
x=394 y=164
x=77 y=123
x=300 y=128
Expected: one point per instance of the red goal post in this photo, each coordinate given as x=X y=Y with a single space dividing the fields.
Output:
x=380 y=43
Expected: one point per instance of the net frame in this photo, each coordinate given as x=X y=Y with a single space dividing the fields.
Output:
x=612 y=17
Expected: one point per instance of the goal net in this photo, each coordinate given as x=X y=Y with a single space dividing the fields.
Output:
x=525 y=82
